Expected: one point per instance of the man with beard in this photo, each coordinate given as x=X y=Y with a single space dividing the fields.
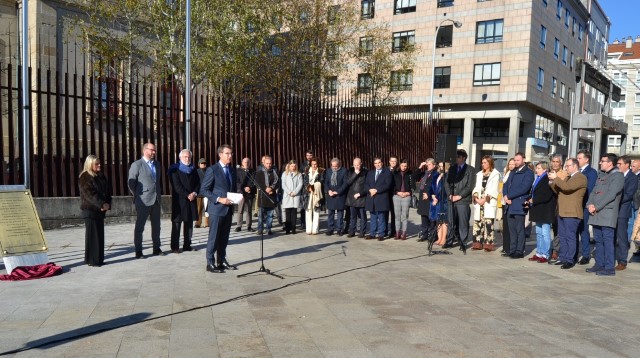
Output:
x=516 y=191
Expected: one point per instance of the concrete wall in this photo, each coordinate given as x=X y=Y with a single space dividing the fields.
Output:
x=60 y=212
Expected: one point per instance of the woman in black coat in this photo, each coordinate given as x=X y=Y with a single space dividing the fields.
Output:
x=95 y=201
x=355 y=198
x=423 y=179
x=185 y=185
x=542 y=211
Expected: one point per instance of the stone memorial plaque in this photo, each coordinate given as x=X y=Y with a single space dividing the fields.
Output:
x=20 y=229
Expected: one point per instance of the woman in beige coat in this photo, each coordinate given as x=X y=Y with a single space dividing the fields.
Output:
x=485 y=204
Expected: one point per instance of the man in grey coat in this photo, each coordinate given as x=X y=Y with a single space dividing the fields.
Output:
x=145 y=184
x=603 y=206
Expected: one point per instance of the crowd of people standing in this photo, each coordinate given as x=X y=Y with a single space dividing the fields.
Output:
x=566 y=204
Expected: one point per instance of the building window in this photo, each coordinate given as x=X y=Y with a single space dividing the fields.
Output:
x=544 y=2
x=442 y=77
x=559 y=9
x=366 y=45
x=567 y=17
x=556 y=48
x=404 y=6
x=564 y=55
x=554 y=86
x=331 y=86
x=401 y=80
x=637 y=100
x=621 y=103
x=365 y=83
x=621 y=79
x=543 y=128
x=543 y=36
x=332 y=51
x=614 y=141
x=636 y=121
x=403 y=40
x=489 y=31
x=635 y=144
x=540 y=78
x=445 y=3
x=105 y=85
x=572 y=62
x=574 y=27
x=486 y=74
x=563 y=91
x=580 y=32
x=367 y=9
x=445 y=36
x=332 y=14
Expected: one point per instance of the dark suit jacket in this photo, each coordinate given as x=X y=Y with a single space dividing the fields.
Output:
x=543 y=206
x=215 y=185
x=592 y=176
x=183 y=184
x=630 y=188
x=517 y=189
x=379 y=202
x=342 y=185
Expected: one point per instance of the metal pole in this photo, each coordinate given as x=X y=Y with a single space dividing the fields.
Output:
x=187 y=82
x=25 y=93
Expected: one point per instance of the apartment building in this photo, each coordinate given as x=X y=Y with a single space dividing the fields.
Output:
x=624 y=67
x=506 y=79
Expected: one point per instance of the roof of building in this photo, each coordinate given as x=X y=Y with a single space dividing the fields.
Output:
x=632 y=53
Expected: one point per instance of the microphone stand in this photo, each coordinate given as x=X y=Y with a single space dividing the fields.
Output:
x=263 y=195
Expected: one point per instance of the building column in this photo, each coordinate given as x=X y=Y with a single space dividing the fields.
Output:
x=597 y=146
x=623 y=144
x=467 y=138
x=514 y=134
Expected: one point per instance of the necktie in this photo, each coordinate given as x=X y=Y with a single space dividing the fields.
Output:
x=153 y=170
x=377 y=173
x=228 y=175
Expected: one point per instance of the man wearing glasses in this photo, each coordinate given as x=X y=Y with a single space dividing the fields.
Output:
x=626 y=203
x=571 y=191
x=603 y=206
x=556 y=167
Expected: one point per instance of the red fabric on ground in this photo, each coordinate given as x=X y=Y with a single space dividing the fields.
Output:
x=32 y=272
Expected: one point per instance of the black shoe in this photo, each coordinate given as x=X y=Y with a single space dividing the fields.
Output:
x=259 y=232
x=158 y=253
x=214 y=269
x=381 y=238
x=584 y=260
x=361 y=236
x=340 y=234
x=637 y=253
x=505 y=254
x=594 y=269
x=447 y=246
x=139 y=255
x=270 y=232
x=189 y=248
x=250 y=229
x=517 y=256
x=238 y=229
x=175 y=251
x=287 y=232
x=351 y=234
x=229 y=266
x=391 y=235
x=567 y=265
x=294 y=232
x=559 y=263
x=329 y=233
x=553 y=261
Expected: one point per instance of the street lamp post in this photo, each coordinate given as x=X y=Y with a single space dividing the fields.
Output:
x=187 y=80
x=458 y=25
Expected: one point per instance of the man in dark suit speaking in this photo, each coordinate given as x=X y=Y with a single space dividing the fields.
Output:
x=219 y=180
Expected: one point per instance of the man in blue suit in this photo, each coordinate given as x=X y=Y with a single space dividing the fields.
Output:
x=584 y=157
x=626 y=203
x=336 y=186
x=219 y=180
x=516 y=191
x=378 y=186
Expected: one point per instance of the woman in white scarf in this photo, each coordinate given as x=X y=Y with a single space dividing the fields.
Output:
x=313 y=179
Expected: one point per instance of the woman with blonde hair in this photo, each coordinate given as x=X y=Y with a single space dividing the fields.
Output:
x=485 y=203
x=291 y=191
x=313 y=199
x=95 y=201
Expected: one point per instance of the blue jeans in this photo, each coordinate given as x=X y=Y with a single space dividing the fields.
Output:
x=267 y=215
x=634 y=212
x=568 y=235
x=622 y=241
x=334 y=222
x=604 y=235
x=378 y=223
x=543 y=239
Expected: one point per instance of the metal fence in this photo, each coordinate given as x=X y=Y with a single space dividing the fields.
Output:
x=74 y=115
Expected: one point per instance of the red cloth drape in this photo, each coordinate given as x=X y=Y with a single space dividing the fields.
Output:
x=32 y=272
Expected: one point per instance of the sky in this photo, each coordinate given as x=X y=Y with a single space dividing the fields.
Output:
x=624 y=16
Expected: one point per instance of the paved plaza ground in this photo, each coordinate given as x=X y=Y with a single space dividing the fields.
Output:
x=340 y=297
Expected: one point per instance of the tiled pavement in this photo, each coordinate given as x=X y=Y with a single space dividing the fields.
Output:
x=339 y=298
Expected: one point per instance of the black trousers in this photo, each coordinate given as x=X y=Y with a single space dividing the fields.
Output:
x=290 y=223
x=94 y=241
x=143 y=212
x=175 y=234
x=425 y=226
x=506 y=237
